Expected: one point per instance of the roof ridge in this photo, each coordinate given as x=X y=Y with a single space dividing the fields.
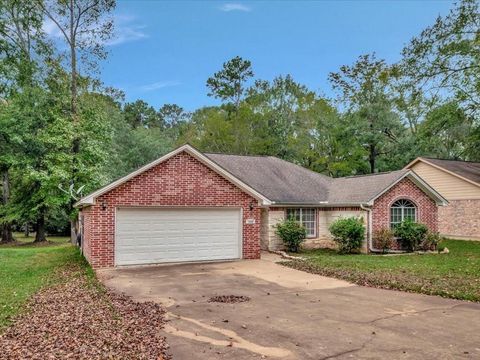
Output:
x=304 y=168
x=441 y=159
x=276 y=158
x=374 y=174
x=244 y=155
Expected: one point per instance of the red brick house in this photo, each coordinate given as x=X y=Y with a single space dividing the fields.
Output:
x=191 y=206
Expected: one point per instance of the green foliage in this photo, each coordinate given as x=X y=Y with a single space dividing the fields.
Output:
x=431 y=241
x=444 y=57
x=445 y=131
x=228 y=84
x=348 y=233
x=43 y=156
x=366 y=90
x=140 y=114
x=384 y=239
x=291 y=233
x=412 y=234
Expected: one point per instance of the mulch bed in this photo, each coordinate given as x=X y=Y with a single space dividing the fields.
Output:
x=229 y=299
x=79 y=319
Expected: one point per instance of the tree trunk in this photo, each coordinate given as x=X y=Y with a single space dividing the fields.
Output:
x=371 y=159
x=26 y=230
x=7 y=235
x=73 y=109
x=40 y=234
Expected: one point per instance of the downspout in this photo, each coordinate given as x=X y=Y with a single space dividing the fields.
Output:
x=369 y=231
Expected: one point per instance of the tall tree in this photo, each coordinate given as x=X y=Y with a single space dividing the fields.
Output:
x=444 y=60
x=140 y=114
x=364 y=90
x=280 y=102
x=86 y=26
x=172 y=115
x=445 y=133
x=22 y=43
x=324 y=142
x=229 y=84
x=40 y=163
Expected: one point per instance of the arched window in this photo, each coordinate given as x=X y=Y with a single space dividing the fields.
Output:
x=402 y=210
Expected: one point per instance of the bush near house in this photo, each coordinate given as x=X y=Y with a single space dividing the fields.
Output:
x=291 y=233
x=431 y=241
x=384 y=239
x=348 y=233
x=412 y=234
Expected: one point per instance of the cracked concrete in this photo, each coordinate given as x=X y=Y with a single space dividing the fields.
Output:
x=295 y=315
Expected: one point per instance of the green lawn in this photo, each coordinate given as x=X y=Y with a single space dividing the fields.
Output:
x=25 y=268
x=454 y=275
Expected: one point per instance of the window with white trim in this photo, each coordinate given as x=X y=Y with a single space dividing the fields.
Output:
x=402 y=210
x=306 y=217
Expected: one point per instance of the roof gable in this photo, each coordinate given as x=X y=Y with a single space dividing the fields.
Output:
x=366 y=188
x=465 y=170
x=90 y=199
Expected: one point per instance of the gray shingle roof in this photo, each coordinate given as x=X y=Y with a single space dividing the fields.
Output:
x=276 y=179
x=362 y=188
x=466 y=169
x=286 y=183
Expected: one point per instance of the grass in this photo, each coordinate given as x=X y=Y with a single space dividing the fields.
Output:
x=26 y=267
x=453 y=275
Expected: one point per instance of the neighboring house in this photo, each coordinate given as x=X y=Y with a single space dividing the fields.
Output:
x=459 y=183
x=191 y=206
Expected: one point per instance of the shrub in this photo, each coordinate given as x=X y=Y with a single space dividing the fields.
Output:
x=348 y=233
x=430 y=241
x=411 y=233
x=384 y=239
x=291 y=233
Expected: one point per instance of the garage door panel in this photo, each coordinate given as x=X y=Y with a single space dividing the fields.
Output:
x=148 y=235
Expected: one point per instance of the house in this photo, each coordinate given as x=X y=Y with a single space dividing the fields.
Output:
x=459 y=183
x=193 y=206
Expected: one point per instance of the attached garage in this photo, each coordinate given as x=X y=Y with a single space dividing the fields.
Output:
x=183 y=207
x=159 y=235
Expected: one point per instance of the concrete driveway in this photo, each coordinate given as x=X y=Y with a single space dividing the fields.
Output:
x=295 y=315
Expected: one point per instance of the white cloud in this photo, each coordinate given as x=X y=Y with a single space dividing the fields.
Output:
x=127 y=30
x=234 y=7
x=51 y=29
x=158 y=85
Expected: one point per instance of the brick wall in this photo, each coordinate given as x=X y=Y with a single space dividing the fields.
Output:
x=86 y=218
x=461 y=219
x=427 y=210
x=179 y=181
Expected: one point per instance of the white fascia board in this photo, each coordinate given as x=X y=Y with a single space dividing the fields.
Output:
x=90 y=199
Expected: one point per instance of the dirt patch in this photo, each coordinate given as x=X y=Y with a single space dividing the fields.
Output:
x=229 y=299
x=82 y=320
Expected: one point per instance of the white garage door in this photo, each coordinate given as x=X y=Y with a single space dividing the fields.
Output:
x=153 y=235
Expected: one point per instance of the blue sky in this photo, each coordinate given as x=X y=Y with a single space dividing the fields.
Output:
x=165 y=50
